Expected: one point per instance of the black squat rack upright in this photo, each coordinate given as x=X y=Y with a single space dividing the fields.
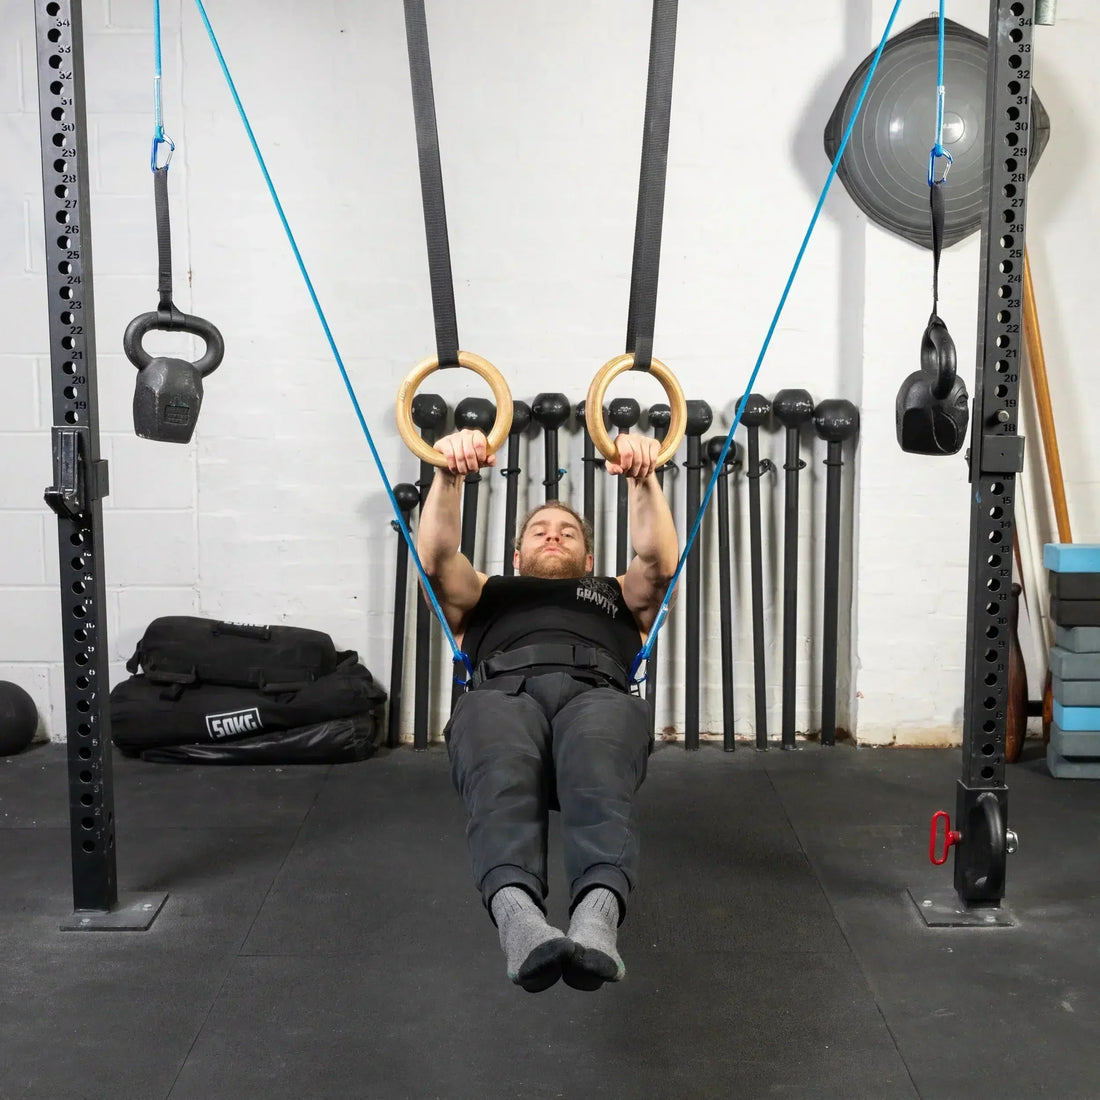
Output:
x=982 y=839
x=79 y=476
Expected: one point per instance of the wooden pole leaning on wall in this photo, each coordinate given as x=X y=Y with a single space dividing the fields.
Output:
x=1037 y=365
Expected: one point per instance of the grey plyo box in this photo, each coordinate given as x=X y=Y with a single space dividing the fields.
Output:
x=1075 y=744
x=1078 y=639
x=1075 y=612
x=1075 y=586
x=1067 y=665
x=1076 y=693
x=1062 y=767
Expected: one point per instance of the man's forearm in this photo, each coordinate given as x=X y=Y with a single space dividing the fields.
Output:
x=439 y=534
x=652 y=529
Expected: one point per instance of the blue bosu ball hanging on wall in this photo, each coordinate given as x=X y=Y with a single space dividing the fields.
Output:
x=885 y=165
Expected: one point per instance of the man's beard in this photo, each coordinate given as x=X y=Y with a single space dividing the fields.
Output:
x=562 y=565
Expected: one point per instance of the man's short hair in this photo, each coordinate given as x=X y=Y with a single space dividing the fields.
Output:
x=582 y=523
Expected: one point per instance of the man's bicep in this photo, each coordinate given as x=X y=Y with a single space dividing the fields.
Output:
x=643 y=592
x=458 y=587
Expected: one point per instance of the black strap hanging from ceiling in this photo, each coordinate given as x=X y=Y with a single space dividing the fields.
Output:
x=651 y=187
x=938 y=356
x=431 y=185
x=164 y=241
x=937 y=205
x=642 y=311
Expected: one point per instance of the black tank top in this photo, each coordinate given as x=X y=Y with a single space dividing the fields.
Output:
x=522 y=611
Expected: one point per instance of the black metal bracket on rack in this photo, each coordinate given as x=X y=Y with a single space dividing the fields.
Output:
x=79 y=476
x=996 y=458
x=76 y=484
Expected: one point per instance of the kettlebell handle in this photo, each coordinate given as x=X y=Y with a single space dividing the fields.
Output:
x=938 y=357
x=174 y=321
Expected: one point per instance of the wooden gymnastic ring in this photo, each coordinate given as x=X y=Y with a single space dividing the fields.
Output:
x=593 y=406
x=407 y=391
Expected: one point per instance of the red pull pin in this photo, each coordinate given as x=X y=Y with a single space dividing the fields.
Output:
x=951 y=836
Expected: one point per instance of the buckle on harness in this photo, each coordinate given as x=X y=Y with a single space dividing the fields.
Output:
x=585 y=657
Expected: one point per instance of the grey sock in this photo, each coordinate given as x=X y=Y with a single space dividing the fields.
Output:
x=594 y=930
x=534 y=949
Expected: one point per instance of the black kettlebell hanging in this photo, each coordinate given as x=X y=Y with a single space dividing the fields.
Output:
x=933 y=406
x=168 y=395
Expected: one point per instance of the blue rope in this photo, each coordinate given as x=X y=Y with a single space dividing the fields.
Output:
x=159 y=136
x=457 y=653
x=662 y=611
x=938 y=151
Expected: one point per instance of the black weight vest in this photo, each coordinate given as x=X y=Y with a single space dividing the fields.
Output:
x=517 y=612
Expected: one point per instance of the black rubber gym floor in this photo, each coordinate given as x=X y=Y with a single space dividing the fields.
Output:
x=322 y=938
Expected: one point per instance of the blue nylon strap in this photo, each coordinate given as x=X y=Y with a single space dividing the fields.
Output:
x=662 y=611
x=457 y=653
x=159 y=137
x=938 y=151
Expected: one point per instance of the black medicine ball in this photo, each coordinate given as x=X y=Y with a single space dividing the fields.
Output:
x=18 y=719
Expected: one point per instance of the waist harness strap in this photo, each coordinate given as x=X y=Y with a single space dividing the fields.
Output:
x=574 y=658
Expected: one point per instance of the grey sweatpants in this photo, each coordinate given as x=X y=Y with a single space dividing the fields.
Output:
x=522 y=745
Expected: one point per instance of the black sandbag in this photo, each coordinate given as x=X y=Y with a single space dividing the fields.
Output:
x=145 y=715
x=185 y=649
x=341 y=741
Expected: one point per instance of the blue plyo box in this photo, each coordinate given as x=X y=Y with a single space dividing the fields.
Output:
x=1077 y=718
x=1071 y=557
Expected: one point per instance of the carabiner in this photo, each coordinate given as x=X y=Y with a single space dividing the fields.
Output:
x=938 y=151
x=464 y=657
x=159 y=139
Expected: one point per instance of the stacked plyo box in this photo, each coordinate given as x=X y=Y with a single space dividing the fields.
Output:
x=1074 y=749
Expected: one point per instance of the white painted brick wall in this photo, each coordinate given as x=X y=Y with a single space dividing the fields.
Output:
x=30 y=618
x=150 y=547
x=24 y=469
x=275 y=513
x=11 y=72
x=147 y=475
x=135 y=607
x=23 y=548
x=21 y=407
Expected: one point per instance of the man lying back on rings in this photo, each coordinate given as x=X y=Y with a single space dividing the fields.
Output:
x=550 y=720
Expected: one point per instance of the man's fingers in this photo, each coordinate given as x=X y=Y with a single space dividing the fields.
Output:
x=481 y=448
x=466 y=451
x=445 y=447
x=627 y=454
x=471 y=460
x=637 y=455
